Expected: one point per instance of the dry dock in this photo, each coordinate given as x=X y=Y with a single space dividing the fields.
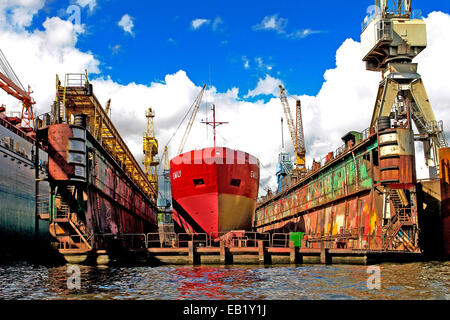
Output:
x=201 y=250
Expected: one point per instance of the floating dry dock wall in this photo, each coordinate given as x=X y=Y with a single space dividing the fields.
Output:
x=364 y=197
x=97 y=189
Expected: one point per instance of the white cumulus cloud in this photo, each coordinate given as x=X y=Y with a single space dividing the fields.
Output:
x=266 y=86
x=197 y=23
x=272 y=23
x=19 y=14
x=91 y=3
x=126 y=23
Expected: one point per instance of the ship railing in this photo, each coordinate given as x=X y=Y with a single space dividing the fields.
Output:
x=198 y=239
x=365 y=134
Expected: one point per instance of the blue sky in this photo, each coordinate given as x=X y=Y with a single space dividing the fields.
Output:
x=163 y=40
x=247 y=45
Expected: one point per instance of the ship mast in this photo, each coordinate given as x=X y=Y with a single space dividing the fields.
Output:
x=214 y=123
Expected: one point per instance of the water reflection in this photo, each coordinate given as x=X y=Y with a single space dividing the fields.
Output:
x=398 y=281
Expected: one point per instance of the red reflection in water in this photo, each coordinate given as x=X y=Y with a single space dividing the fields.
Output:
x=211 y=282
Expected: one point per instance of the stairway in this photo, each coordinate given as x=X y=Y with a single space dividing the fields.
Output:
x=402 y=218
x=70 y=231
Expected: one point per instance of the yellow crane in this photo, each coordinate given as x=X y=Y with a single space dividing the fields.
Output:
x=296 y=131
x=151 y=150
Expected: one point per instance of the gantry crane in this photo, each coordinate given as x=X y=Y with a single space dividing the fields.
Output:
x=150 y=150
x=392 y=36
x=12 y=85
x=196 y=106
x=296 y=131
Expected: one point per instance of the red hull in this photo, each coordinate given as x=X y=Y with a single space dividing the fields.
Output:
x=214 y=190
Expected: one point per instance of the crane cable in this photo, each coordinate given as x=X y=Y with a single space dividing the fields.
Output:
x=182 y=121
x=6 y=69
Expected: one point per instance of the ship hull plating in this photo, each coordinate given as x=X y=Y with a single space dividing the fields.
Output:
x=214 y=190
x=17 y=195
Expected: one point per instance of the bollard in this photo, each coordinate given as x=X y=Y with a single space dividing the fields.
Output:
x=191 y=252
x=292 y=255
x=324 y=255
x=223 y=258
x=260 y=252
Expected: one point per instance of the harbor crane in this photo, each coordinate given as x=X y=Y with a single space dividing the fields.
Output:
x=150 y=148
x=11 y=84
x=296 y=131
x=392 y=36
x=165 y=196
x=196 y=106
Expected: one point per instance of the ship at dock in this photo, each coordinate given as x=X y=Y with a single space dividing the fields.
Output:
x=21 y=233
x=214 y=190
x=365 y=195
x=100 y=200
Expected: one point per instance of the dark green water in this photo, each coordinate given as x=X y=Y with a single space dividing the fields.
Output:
x=430 y=280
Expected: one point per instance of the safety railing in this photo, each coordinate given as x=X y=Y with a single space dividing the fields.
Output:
x=75 y=80
x=254 y=237
x=71 y=242
x=62 y=211
x=280 y=240
x=198 y=239
x=215 y=238
x=134 y=240
x=127 y=241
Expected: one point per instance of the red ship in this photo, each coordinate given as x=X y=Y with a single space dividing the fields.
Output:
x=214 y=190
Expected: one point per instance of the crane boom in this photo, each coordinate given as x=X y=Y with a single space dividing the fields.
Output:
x=299 y=124
x=166 y=159
x=11 y=85
x=296 y=135
x=288 y=114
x=197 y=102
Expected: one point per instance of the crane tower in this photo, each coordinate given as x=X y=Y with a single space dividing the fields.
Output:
x=151 y=150
x=392 y=36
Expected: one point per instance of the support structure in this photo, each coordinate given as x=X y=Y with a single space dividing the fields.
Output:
x=76 y=97
x=392 y=36
x=150 y=147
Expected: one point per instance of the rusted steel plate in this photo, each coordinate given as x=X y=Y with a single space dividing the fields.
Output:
x=444 y=160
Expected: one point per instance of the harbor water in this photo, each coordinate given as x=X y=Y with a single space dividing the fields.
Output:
x=411 y=281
